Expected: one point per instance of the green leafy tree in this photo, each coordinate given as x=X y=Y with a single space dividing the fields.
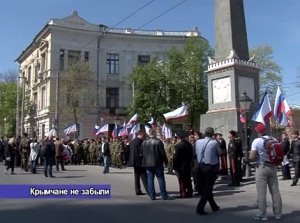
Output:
x=77 y=91
x=270 y=72
x=8 y=105
x=189 y=77
x=163 y=86
x=150 y=93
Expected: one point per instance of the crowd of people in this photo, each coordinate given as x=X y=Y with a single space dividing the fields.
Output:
x=196 y=159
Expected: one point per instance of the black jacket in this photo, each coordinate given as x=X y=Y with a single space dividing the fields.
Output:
x=135 y=155
x=222 y=144
x=183 y=156
x=153 y=152
x=106 y=151
x=235 y=149
x=285 y=144
x=295 y=150
x=49 y=149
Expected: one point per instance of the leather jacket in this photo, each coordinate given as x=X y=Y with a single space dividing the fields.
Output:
x=153 y=153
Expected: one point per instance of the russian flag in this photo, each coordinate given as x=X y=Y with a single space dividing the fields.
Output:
x=166 y=131
x=135 y=129
x=123 y=131
x=115 y=132
x=281 y=109
x=265 y=110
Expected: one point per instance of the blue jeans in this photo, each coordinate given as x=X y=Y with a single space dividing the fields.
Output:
x=159 y=173
x=106 y=164
x=48 y=164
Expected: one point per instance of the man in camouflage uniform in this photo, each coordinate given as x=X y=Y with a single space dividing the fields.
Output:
x=86 y=146
x=98 y=151
x=94 y=153
x=76 y=152
x=112 y=146
x=92 y=148
x=25 y=151
x=170 y=152
x=59 y=154
x=118 y=153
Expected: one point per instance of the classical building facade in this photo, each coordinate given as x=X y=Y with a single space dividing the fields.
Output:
x=112 y=54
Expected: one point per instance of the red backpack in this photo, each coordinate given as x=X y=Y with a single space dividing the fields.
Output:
x=274 y=151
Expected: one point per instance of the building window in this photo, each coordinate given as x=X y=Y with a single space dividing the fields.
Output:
x=143 y=60
x=43 y=98
x=86 y=56
x=35 y=102
x=29 y=75
x=112 y=62
x=61 y=59
x=43 y=131
x=73 y=56
x=112 y=99
x=36 y=72
x=43 y=61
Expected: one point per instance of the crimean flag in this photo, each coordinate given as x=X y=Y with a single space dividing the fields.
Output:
x=133 y=120
x=103 y=129
x=179 y=113
x=70 y=129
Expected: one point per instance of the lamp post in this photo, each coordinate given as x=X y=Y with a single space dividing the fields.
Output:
x=245 y=103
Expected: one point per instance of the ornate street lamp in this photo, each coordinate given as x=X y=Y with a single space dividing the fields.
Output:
x=245 y=104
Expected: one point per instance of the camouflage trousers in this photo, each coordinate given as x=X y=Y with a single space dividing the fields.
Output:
x=24 y=160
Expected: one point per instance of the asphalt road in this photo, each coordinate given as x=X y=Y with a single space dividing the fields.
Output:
x=237 y=204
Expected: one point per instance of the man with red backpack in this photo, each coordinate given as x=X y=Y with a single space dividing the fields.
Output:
x=266 y=175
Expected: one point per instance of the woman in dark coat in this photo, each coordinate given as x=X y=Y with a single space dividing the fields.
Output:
x=10 y=155
x=235 y=151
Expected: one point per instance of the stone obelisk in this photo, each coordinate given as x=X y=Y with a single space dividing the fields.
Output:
x=230 y=72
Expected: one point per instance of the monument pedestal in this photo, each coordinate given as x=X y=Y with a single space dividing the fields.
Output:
x=222 y=121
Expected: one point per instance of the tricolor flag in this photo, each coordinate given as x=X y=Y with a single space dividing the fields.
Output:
x=135 y=129
x=133 y=120
x=70 y=129
x=96 y=128
x=179 y=113
x=147 y=128
x=103 y=129
x=152 y=122
x=123 y=130
x=115 y=131
x=281 y=109
x=264 y=112
x=166 y=131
